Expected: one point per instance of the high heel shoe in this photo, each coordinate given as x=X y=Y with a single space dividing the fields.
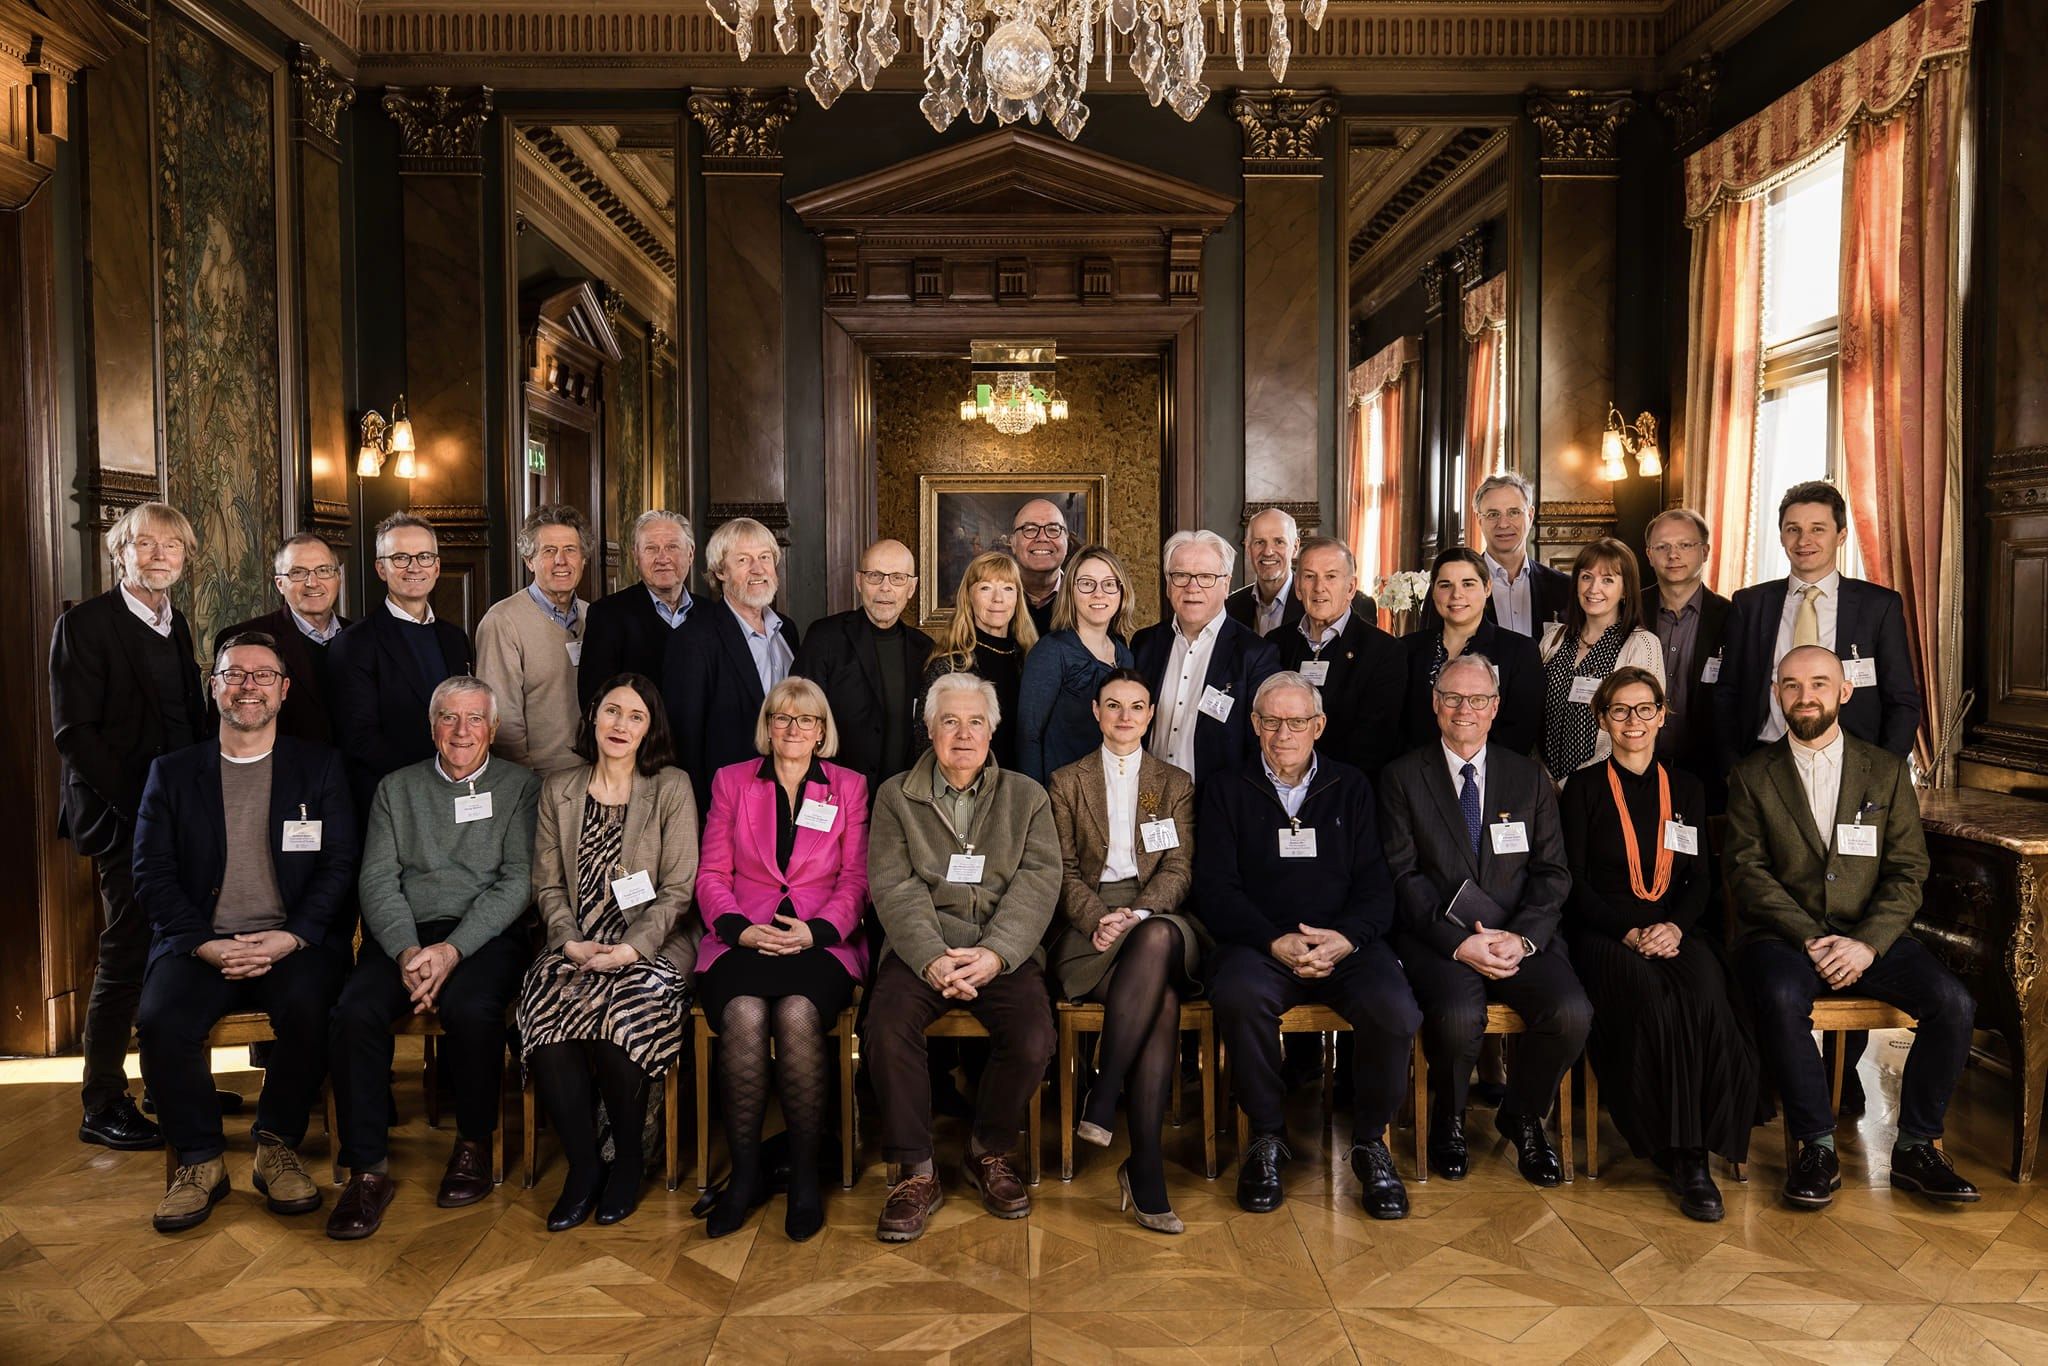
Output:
x=1167 y=1222
x=1087 y=1130
x=575 y=1205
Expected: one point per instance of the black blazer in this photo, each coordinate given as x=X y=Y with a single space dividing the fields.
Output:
x=1869 y=621
x=1697 y=748
x=305 y=715
x=1362 y=693
x=380 y=700
x=1518 y=724
x=1243 y=607
x=181 y=845
x=839 y=655
x=102 y=704
x=624 y=633
x=1237 y=665
x=712 y=692
x=1424 y=834
x=1550 y=597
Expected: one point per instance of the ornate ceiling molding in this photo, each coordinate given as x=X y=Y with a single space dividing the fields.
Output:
x=1689 y=104
x=1580 y=129
x=1429 y=181
x=1468 y=259
x=1283 y=129
x=558 y=210
x=742 y=128
x=319 y=96
x=440 y=131
x=589 y=182
x=1477 y=191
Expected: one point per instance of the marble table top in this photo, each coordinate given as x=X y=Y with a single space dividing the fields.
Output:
x=2019 y=824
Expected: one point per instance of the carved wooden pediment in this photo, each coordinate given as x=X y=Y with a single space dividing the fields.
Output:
x=569 y=339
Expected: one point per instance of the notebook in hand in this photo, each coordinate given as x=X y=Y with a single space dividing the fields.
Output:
x=1471 y=906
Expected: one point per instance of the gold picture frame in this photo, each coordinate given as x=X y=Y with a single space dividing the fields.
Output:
x=961 y=515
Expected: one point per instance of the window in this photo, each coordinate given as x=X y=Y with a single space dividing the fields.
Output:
x=1798 y=432
x=1375 y=491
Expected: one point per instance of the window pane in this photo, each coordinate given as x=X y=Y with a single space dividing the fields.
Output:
x=1375 y=477
x=1791 y=447
x=1803 y=252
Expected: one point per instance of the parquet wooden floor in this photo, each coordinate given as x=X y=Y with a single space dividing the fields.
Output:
x=1488 y=1270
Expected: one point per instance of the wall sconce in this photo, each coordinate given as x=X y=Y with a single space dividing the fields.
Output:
x=1623 y=439
x=381 y=439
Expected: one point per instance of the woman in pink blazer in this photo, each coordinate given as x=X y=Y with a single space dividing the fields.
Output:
x=781 y=884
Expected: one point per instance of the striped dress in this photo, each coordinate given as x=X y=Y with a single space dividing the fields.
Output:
x=639 y=1008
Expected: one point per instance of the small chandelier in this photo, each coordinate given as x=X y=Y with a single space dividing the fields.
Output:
x=1623 y=439
x=1007 y=394
x=1017 y=59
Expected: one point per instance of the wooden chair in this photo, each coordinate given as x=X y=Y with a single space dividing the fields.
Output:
x=845 y=1030
x=1299 y=1020
x=1500 y=1019
x=1838 y=1015
x=427 y=1028
x=234 y=1030
x=1590 y=1089
x=672 y=1125
x=960 y=1024
x=1085 y=1017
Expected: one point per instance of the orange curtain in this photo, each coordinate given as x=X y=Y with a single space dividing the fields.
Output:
x=1357 y=440
x=1390 y=410
x=1376 y=458
x=1486 y=335
x=1724 y=372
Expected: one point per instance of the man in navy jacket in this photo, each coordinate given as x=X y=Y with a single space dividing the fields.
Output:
x=1203 y=667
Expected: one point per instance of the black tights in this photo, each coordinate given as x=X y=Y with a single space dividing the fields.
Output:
x=1141 y=1045
x=571 y=1077
x=802 y=1074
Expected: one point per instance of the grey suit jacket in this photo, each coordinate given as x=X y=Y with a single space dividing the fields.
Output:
x=660 y=839
x=1080 y=811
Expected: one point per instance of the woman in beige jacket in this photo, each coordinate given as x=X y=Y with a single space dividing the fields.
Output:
x=1599 y=634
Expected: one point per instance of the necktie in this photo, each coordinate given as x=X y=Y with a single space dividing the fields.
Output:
x=1468 y=803
x=1806 y=625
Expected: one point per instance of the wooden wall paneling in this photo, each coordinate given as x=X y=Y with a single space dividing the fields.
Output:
x=627 y=447
x=326 y=455
x=1436 y=500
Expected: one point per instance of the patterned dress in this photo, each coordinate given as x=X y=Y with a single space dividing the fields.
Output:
x=638 y=1008
x=1569 y=730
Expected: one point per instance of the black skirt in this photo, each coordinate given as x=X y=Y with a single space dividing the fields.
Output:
x=814 y=974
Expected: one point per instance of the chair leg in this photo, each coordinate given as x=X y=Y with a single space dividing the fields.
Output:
x=531 y=1131
x=1420 y=1071
x=1205 y=1062
x=333 y=1135
x=430 y=1080
x=1564 y=1123
x=1067 y=1064
x=1327 y=1048
x=701 y=1028
x=847 y=1100
x=672 y=1125
x=1840 y=1042
x=1176 y=1097
x=1592 y=1120
x=1034 y=1135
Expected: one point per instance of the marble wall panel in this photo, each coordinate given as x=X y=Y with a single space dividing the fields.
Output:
x=329 y=450
x=743 y=337
x=1282 y=316
x=444 y=336
x=122 y=278
x=1577 y=336
x=625 y=447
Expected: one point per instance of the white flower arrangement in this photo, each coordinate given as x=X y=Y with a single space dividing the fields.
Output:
x=1404 y=590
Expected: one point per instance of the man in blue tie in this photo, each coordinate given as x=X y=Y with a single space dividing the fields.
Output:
x=1477 y=855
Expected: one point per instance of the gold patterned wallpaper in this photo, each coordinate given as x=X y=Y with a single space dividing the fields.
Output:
x=1113 y=430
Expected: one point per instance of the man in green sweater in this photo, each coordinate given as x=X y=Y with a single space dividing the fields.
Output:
x=447 y=874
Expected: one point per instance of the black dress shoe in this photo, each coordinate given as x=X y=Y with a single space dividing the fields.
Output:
x=1258 y=1175
x=621 y=1194
x=1384 y=1196
x=579 y=1198
x=805 y=1213
x=1815 y=1177
x=120 y=1125
x=1925 y=1170
x=1534 y=1156
x=1698 y=1197
x=1448 y=1157
x=729 y=1215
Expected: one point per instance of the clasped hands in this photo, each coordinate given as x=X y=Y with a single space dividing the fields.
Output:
x=786 y=935
x=1491 y=953
x=1839 y=959
x=590 y=955
x=1111 y=927
x=1655 y=941
x=1311 y=951
x=960 y=974
x=425 y=971
x=248 y=955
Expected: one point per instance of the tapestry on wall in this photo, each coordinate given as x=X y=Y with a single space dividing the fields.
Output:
x=217 y=239
x=625 y=447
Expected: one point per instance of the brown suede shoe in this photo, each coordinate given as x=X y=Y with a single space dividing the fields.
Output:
x=1003 y=1194
x=911 y=1204
x=468 y=1178
x=361 y=1207
x=193 y=1193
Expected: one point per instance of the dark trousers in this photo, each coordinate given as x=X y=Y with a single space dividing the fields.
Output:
x=471 y=1009
x=1782 y=986
x=1250 y=990
x=1016 y=1012
x=182 y=998
x=117 y=985
x=1544 y=991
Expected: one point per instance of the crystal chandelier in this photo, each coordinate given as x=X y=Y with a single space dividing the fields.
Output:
x=1016 y=58
x=1006 y=394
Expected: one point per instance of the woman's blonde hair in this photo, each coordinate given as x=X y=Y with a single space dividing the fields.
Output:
x=1063 y=613
x=792 y=694
x=956 y=646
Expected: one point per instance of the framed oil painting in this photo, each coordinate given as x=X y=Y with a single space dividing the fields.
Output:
x=961 y=515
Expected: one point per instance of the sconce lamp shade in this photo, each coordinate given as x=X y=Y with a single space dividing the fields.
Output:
x=369 y=462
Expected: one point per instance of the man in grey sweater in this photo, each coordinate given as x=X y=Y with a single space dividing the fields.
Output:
x=447 y=874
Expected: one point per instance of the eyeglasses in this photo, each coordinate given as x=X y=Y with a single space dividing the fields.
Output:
x=1641 y=711
x=875 y=578
x=802 y=725
x=1270 y=725
x=1465 y=701
x=426 y=559
x=235 y=678
x=1504 y=515
x=325 y=573
x=1035 y=531
x=1668 y=547
x=1181 y=578
x=1098 y=585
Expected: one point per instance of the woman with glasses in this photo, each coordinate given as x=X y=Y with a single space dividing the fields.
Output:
x=1598 y=635
x=989 y=636
x=601 y=1010
x=1459 y=589
x=1678 y=1074
x=1091 y=627
x=784 y=881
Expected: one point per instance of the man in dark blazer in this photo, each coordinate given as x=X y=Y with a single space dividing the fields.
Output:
x=387 y=665
x=308 y=577
x=1691 y=622
x=1526 y=594
x=1361 y=671
x=628 y=631
x=1269 y=602
x=1827 y=862
x=1477 y=852
x=869 y=662
x=735 y=647
x=1203 y=667
x=124 y=688
x=245 y=849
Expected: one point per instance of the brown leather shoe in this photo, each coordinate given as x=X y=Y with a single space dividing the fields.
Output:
x=468 y=1178
x=361 y=1207
x=911 y=1204
x=1003 y=1194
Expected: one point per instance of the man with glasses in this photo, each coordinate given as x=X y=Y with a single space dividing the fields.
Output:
x=869 y=661
x=1038 y=542
x=1691 y=621
x=627 y=631
x=1202 y=666
x=1296 y=891
x=388 y=664
x=245 y=852
x=1526 y=594
x=529 y=645
x=1360 y=670
x=307 y=573
x=1477 y=853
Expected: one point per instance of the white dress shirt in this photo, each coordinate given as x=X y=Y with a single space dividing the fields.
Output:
x=391 y=606
x=1120 y=777
x=1456 y=764
x=159 y=622
x=1820 y=773
x=1514 y=603
x=1825 y=607
x=1291 y=798
x=1266 y=616
x=1180 y=694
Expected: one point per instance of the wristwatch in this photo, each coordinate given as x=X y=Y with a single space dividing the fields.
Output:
x=1527 y=946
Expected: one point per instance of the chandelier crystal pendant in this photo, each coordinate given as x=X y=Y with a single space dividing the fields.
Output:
x=1007 y=393
x=1017 y=59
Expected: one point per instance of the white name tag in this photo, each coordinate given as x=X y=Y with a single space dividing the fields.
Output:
x=1681 y=838
x=1298 y=843
x=817 y=815
x=1216 y=703
x=302 y=837
x=636 y=890
x=1711 y=673
x=1860 y=672
x=1509 y=837
x=475 y=807
x=1316 y=671
x=965 y=867
x=575 y=649
x=1584 y=688
x=1159 y=834
x=1859 y=840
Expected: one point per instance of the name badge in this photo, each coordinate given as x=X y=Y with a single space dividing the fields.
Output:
x=575 y=649
x=1858 y=839
x=1509 y=837
x=1712 y=672
x=1860 y=672
x=1681 y=838
x=1298 y=843
x=475 y=807
x=965 y=867
x=817 y=815
x=636 y=890
x=302 y=837
x=1216 y=703
x=1583 y=689
x=1316 y=671
x=1159 y=834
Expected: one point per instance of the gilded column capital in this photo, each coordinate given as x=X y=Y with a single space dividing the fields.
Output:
x=742 y=127
x=1433 y=276
x=1580 y=130
x=1468 y=258
x=1282 y=129
x=440 y=129
x=320 y=95
x=1689 y=103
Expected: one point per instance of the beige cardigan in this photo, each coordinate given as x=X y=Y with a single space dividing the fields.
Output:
x=660 y=839
x=524 y=656
x=1642 y=650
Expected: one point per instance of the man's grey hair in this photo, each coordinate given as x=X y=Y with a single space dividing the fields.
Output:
x=403 y=519
x=961 y=682
x=1468 y=659
x=461 y=683
x=1506 y=479
x=1288 y=678
x=653 y=515
x=553 y=514
x=281 y=563
x=1327 y=543
x=1208 y=540
x=728 y=534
